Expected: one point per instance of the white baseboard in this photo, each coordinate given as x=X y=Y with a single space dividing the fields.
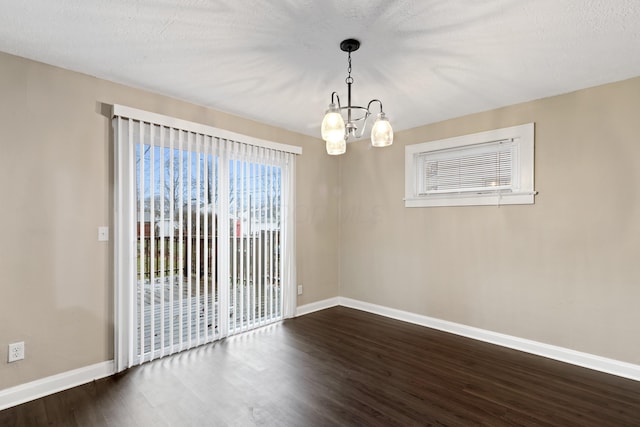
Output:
x=586 y=360
x=35 y=389
x=317 y=306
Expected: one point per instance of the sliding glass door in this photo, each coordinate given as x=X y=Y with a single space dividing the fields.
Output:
x=209 y=232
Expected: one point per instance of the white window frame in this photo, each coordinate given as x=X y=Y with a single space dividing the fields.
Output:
x=519 y=192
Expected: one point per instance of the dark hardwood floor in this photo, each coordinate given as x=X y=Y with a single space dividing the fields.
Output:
x=341 y=367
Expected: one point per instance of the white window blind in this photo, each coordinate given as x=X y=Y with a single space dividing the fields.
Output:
x=204 y=234
x=485 y=168
x=488 y=167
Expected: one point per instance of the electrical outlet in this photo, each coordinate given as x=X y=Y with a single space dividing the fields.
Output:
x=16 y=351
x=299 y=289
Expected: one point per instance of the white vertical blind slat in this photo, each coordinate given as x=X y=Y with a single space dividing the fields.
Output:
x=254 y=234
x=241 y=231
x=278 y=214
x=245 y=230
x=224 y=237
x=162 y=242
x=267 y=242
x=198 y=239
x=234 y=233
x=152 y=242
x=205 y=247
x=141 y=255
x=190 y=236
x=270 y=196
x=172 y=248
x=288 y=226
x=262 y=219
x=181 y=239
x=125 y=245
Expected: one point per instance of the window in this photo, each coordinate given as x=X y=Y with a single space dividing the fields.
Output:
x=203 y=234
x=486 y=168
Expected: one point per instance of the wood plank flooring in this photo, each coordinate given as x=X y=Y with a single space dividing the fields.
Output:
x=342 y=367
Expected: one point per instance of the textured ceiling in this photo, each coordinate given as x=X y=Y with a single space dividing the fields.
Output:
x=277 y=62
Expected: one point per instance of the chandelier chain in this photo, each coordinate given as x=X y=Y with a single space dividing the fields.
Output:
x=349 y=79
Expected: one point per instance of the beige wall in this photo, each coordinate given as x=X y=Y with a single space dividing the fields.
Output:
x=565 y=271
x=56 y=174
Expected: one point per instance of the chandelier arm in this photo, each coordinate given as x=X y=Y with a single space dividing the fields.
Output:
x=358 y=113
x=372 y=101
x=337 y=97
x=364 y=124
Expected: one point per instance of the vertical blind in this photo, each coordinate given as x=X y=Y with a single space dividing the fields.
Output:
x=204 y=234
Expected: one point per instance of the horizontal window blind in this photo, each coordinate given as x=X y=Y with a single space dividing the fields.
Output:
x=489 y=167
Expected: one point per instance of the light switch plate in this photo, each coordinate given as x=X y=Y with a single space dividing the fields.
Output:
x=103 y=234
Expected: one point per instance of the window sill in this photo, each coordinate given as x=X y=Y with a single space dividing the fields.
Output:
x=477 y=199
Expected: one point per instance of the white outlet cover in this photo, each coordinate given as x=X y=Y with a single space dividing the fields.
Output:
x=16 y=351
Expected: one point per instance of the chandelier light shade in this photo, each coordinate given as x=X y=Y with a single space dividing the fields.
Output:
x=333 y=125
x=381 y=133
x=337 y=147
x=341 y=123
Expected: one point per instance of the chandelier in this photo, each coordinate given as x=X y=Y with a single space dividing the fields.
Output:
x=334 y=130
